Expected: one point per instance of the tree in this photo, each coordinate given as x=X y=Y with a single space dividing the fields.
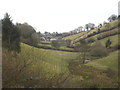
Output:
x=107 y=26
x=118 y=16
x=108 y=43
x=91 y=26
x=104 y=23
x=26 y=30
x=34 y=39
x=68 y=43
x=55 y=44
x=28 y=34
x=97 y=50
x=10 y=34
x=83 y=47
x=87 y=27
x=80 y=28
x=112 y=17
x=100 y=25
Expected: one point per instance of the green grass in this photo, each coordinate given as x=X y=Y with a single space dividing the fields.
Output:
x=49 y=61
x=45 y=41
x=114 y=40
x=46 y=45
x=111 y=61
x=65 y=48
x=61 y=47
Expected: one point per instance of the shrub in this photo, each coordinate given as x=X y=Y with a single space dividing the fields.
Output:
x=55 y=44
x=116 y=47
x=91 y=40
x=108 y=43
x=68 y=43
x=109 y=72
x=98 y=50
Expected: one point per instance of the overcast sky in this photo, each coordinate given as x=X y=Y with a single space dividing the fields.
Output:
x=58 y=15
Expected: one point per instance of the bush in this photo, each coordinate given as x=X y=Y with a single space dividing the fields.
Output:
x=108 y=43
x=91 y=40
x=68 y=43
x=55 y=44
x=98 y=50
x=116 y=47
x=28 y=34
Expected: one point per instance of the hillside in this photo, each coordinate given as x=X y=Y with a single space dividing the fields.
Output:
x=114 y=40
x=47 y=66
x=109 y=29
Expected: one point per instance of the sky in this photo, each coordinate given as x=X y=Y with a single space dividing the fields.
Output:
x=58 y=15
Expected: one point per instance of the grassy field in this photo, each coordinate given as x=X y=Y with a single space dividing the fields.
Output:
x=61 y=47
x=52 y=63
x=49 y=61
x=46 y=64
x=111 y=61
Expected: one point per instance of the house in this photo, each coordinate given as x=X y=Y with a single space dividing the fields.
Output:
x=52 y=39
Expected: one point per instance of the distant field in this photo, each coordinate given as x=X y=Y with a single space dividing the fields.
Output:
x=61 y=47
x=46 y=45
x=45 y=41
x=111 y=61
x=77 y=37
x=103 y=33
x=72 y=37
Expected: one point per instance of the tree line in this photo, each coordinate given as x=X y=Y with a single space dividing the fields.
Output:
x=13 y=34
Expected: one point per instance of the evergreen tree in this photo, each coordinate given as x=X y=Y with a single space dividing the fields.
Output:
x=10 y=34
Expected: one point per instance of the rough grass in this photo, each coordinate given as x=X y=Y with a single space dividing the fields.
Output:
x=49 y=61
x=111 y=61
